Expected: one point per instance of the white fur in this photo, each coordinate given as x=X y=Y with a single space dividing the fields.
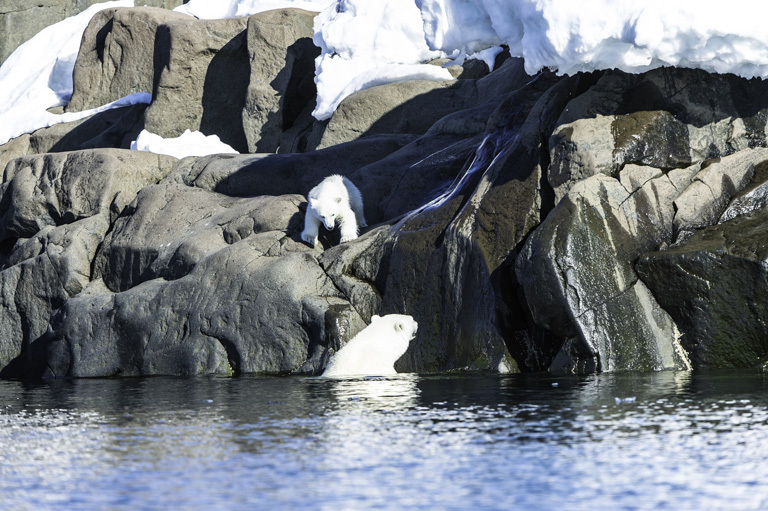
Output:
x=336 y=200
x=375 y=349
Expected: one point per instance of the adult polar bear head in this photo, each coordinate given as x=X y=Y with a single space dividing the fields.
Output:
x=375 y=349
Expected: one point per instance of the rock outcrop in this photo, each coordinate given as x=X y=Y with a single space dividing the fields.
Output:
x=598 y=222
x=21 y=19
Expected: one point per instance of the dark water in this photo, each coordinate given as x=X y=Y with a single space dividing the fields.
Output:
x=669 y=440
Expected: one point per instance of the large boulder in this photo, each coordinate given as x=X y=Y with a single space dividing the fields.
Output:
x=40 y=275
x=715 y=286
x=55 y=210
x=58 y=188
x=169 y=228
x=116 y=56
x=577 y=276
x=282 y=62
x=201 y=77
x=20 y=20
x=260 y=305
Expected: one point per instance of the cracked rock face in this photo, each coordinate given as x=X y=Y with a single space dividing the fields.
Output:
x=715 y=287
x=599 y=222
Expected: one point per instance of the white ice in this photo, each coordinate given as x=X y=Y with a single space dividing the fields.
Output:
x=38 y=76
x=190 y=143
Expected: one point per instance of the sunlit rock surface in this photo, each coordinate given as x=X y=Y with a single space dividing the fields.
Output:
x=596 y=222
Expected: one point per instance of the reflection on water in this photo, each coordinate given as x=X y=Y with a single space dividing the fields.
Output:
x=660 y=441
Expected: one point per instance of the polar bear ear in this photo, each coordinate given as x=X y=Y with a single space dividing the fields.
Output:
x=375 y=318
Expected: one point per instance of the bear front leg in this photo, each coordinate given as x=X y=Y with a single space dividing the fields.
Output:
x=311 y=229
x=360 y=218
x=348 y=228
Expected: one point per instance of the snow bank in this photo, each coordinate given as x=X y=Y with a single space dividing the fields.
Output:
x=365 y=43
x=38 y=76
x=217 y=9
x=190 y=143
x=630 y=35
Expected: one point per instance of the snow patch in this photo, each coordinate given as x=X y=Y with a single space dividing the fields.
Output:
x=37 y=76
x=190 y=143
x=366 y=43
x=217 y=9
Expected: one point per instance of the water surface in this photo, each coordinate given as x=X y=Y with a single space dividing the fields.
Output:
x=670 y=440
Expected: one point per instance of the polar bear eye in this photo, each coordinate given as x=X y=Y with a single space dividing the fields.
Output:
x=399 y=327
x=338 y=199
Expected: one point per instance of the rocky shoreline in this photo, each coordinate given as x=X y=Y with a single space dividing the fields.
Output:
x=596 y=222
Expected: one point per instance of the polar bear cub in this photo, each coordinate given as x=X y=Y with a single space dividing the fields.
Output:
x=375 y=349
x=336 y=200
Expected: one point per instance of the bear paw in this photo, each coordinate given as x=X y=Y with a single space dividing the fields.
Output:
x=312 y=241
x=345 y=239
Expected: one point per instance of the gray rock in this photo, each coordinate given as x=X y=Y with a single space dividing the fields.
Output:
x=577 y=276
x=281 y=83
x=169 y=228
x=20 y=20
x=41 y=274
x=397 y=108
x=246 y=308
x=57 y=188
x=201 y=77
x=715 y=286
x=116 y=56
x=704 y=201
x=663 y=118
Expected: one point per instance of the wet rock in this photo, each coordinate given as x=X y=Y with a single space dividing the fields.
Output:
x=577 y=276
x=704 y=201
x=281 y=85
x=715 y=287
x=449 y=259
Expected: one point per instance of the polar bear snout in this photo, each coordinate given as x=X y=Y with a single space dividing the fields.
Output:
x=329 y=222
x=407 y=328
